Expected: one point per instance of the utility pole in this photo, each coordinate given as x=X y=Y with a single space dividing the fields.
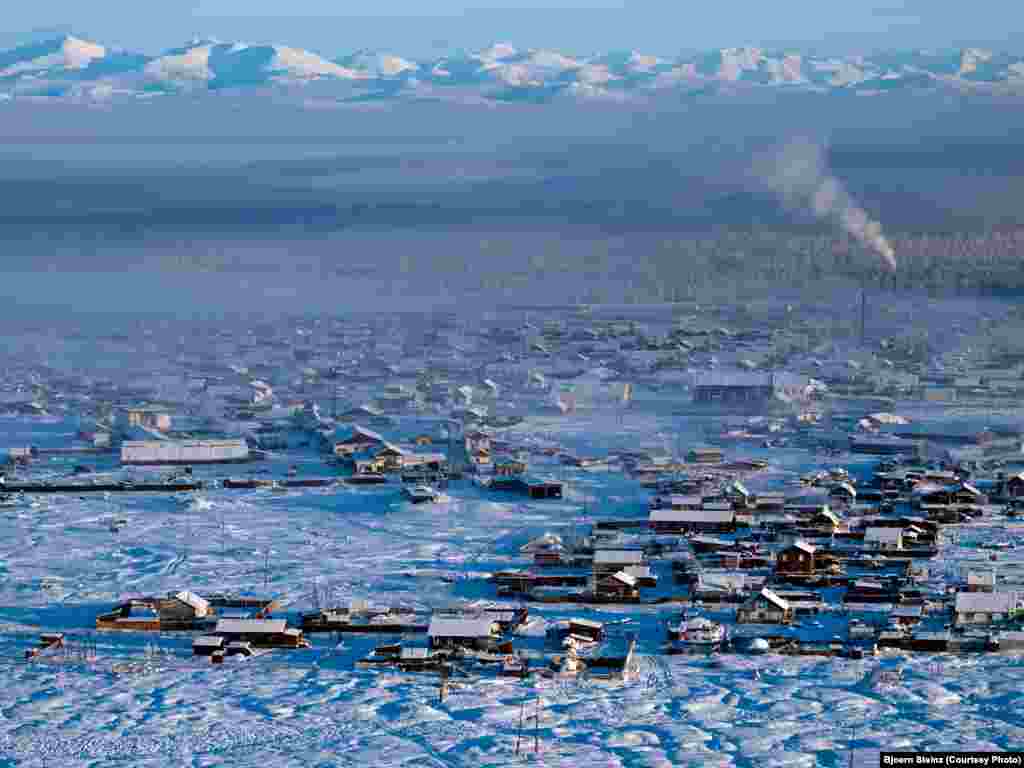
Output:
x=266 y=569
x=188 y=531
x=443 y=692
x=536 y=728
x=519 y=733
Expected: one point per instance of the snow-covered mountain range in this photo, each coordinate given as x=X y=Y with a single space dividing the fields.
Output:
x=71 y=68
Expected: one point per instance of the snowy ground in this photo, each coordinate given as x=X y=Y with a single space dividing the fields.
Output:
x=145 y=701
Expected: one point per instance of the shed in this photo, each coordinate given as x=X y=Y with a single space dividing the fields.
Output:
x=264 y=632
x=766 y=607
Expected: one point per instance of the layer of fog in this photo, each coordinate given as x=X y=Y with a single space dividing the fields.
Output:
x=247 y=206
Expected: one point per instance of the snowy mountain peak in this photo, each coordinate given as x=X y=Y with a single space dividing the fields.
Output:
x=497 y=52
x=68 y=66
x=66 y=52
x=377 y=64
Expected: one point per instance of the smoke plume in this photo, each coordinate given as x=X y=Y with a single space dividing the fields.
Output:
x=800 y=176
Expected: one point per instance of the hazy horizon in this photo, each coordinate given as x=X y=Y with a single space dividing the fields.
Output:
x=581 y=26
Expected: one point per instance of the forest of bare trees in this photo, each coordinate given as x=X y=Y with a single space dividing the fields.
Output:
x=746 y=262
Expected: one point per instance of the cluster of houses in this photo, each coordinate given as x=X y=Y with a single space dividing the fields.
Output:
x=345 y=387
x=773 y=558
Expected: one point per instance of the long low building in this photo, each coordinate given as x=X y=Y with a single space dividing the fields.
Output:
x=705 y=520
x=184 y=452
x=745 y=387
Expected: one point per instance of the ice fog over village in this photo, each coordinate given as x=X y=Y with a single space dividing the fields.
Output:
x=509 y=406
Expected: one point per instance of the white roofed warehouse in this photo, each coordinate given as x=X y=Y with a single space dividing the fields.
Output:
x=987 y=607
x=703 y=520
x=462 y=631
x=748 y=388
x=155 y=452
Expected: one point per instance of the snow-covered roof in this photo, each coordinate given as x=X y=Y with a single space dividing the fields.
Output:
x=198 y=604
x=638 y=571
x=774 y=599
x=624 y=578
x=208 y=641
x=728 y=581
x=250 y=626
x=803 y=546
x=692 y=515
x=981 y=577
x=618 y=557
x=988 y=602
x=883 y=535
x=685 y=501
x=844 y=488
x=541 y=543
x=748 y=379
x=447 y=626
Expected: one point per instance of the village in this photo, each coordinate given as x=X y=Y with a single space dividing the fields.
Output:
x=556 y=494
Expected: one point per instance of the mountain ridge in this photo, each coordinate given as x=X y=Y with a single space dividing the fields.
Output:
x=68 y=67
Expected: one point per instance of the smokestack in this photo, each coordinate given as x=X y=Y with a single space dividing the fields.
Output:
x=799 y=174
x=863 y=310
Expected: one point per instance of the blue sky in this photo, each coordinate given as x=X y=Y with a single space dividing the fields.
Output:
x=419 y=27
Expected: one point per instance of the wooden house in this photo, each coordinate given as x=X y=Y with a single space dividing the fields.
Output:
x=182 y=609
x=428 y=462
x=267 y=633
x=906 y=615
x=478 y=446
x=643 y=574
x=587 y=629
x=871 y=591
x=533 y=487
x=619 y=585
x=826 y=521
x=843 y=493
x=509 y=467
x=705 y=455
x=677 y=502
x=1015 y=486
x=131 y=615
x=356 y=439
x=770 y=503
x=766 y=607
x=798 y=559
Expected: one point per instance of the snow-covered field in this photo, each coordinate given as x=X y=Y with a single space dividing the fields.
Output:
x=143 y=700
